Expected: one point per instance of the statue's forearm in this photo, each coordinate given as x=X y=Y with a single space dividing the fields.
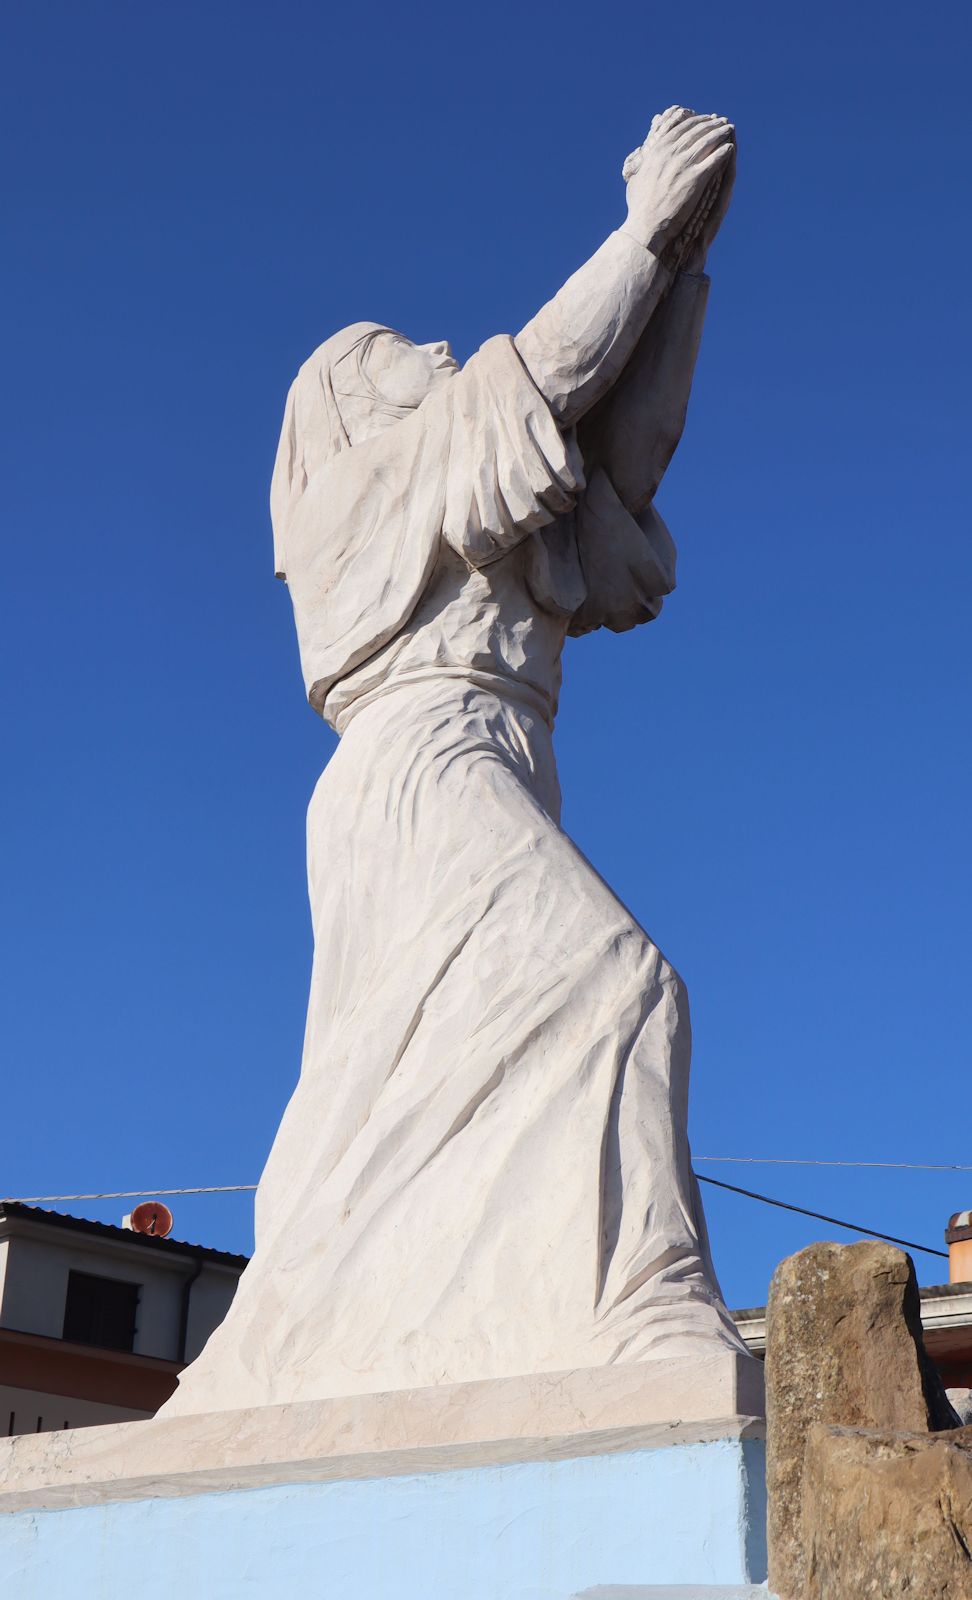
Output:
x=578 y=343
x=633 y=433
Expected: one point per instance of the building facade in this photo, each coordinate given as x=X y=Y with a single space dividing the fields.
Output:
x=96 y=1321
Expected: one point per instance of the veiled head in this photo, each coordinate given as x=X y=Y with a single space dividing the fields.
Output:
x=356 y=384
x=383 y=378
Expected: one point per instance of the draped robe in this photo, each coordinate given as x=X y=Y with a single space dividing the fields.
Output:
x=484 y=1169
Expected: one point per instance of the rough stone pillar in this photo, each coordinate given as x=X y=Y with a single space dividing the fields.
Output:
x=843 y=1346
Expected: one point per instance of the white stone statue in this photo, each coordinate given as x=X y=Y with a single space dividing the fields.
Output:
x=484 y=1170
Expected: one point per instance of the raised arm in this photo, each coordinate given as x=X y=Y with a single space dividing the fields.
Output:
x=633 y=431
x=578 y=344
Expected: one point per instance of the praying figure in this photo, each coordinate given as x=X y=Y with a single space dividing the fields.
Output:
x=484 y=1169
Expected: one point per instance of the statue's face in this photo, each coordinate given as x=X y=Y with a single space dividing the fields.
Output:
x=404 y=373
x=399 y=375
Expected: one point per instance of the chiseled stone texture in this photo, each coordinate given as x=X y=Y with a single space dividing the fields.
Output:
x=600 y=1411
x=843 y=1346
x=887 y=1514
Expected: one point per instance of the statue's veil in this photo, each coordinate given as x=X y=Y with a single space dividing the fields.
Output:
x=313 y=429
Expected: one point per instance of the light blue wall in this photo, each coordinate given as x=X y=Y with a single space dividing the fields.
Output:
x=533 y=1531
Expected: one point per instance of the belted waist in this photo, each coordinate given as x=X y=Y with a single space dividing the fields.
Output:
x=499 y=684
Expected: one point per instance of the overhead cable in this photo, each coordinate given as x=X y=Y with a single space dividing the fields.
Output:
x=852 y=1227
x=750 y=1194
x=128 y=1194
x=754 y=1161
x=810 y=1161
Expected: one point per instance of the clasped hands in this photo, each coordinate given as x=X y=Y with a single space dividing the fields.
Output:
x=679 y=186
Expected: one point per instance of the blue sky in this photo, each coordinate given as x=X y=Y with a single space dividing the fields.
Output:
x=774 y=776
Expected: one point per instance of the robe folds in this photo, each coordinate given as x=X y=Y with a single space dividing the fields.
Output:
x=480 y=466
x=484 y=1170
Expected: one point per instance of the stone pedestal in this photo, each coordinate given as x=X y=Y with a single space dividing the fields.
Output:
x=610 y=1483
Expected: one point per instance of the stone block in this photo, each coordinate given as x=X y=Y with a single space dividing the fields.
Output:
x=543 y=1416
x=844 y=1347
x=887 y=1514
x=596 y=1483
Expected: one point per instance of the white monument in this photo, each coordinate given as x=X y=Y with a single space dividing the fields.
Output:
x=480 y=1352
x=484 y=1170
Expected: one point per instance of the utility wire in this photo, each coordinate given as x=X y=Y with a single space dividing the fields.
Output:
x=807 y=1161
x=128 y=1194
x=852 y=1227
x=754 y=1161
x=750 y=1194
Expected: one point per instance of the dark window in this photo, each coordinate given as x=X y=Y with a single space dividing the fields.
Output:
x=100 y=1311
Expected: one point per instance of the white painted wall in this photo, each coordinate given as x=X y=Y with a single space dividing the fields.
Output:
x=38 y=1258
x=602 y=1527
x=35 y=1286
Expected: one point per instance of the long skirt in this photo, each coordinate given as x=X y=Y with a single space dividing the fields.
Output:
x=484 y=1169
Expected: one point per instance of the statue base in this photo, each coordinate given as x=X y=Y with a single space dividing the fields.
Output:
x=605 y=1483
